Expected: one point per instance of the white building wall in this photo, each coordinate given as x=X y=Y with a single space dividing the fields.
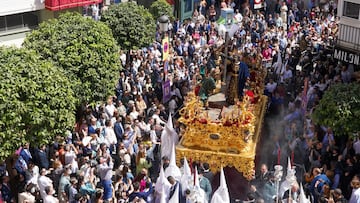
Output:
x=8 y=7
x=349 y=29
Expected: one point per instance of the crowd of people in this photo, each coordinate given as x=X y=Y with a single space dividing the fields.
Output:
x=113 y=154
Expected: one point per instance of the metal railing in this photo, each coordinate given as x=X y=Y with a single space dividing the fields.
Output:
x=349 y=36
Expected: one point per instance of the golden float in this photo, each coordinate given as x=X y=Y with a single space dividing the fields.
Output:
x=229 y=140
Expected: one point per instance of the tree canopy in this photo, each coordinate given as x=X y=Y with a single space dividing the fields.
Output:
x=339 y=109
x=132 y=25
x=84 y=48
x=161 y=7
x=36 y=103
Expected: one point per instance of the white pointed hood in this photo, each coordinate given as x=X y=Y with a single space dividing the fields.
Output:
x=186 y=176
x=198 y=194
x=162 y=182
x=302 y=198
x=196 y=178
x=163 y=195
x=221 y=195
x=169 y=123
x=289 y=168
x=173 y=170
x=168 y=138
x=290 y=179
x=278 y=65
x=186 y=168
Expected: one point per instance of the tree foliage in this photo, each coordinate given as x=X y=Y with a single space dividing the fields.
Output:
x=161 y=7
x=339 y=109
x=84 y=48
x=132 y=25
x=36 y=103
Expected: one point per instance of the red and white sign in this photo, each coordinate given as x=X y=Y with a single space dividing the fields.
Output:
x=56 y=5
x=258 y=4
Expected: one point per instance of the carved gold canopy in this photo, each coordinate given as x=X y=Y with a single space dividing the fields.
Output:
x=230 y=141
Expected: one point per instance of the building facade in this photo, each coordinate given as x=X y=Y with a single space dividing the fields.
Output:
x=18 y=17
x=347 y=47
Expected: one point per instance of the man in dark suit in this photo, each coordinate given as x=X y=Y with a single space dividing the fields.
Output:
x=262 y=178
x=42 y=158
x=25 y=153
x=176 y=25
x=207 y=172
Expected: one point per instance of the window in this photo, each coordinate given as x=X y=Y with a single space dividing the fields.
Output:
x=351 y=10
x=14 y=21
x=30 y=20
x=18 y=21
x=2 y=23
x=188 y=6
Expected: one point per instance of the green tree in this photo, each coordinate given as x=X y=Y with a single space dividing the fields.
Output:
x=36 y=103
x=132 y=25
x=161 y=7
x=84 y=48
x=339 y=109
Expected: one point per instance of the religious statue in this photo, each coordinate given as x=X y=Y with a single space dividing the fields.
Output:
x=231 y=81
x=237 y=76
x=244 y=76
x=208 y=85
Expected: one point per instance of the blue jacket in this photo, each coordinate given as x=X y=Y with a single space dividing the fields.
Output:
x=42 y=159
x=143 y=195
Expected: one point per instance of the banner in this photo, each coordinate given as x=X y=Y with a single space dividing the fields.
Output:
x=166 y=91
x=56 y=5
x=165 y=48
x=166 y=68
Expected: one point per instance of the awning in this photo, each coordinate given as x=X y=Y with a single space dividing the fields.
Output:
x=171 y=2
x=56 y=5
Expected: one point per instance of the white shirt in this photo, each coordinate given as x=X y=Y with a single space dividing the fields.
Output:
x=110 y=137
x=356 y=147
x=271 y=87
x=109 y=109
x=70 y=159
x=26 y=196
x=157 y=119
x=50 y=199
x=123 y=59
x=172 y=106
x=355 y=196
x=43 y=182
x=134 y=115
x=287 y=74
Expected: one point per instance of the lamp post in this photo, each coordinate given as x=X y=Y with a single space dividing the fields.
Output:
x=163 y=28
x=163 y=24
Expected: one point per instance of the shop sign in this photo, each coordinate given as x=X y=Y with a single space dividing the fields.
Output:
x=347 y=56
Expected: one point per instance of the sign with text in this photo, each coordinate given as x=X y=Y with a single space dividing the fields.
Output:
x=258 y=4
x=165 y=48
x=166 y=91
x=347 y=56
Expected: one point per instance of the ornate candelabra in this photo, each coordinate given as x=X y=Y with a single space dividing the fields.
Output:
x=278 y=175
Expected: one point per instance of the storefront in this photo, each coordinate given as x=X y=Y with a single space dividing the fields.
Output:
x=347 y=56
